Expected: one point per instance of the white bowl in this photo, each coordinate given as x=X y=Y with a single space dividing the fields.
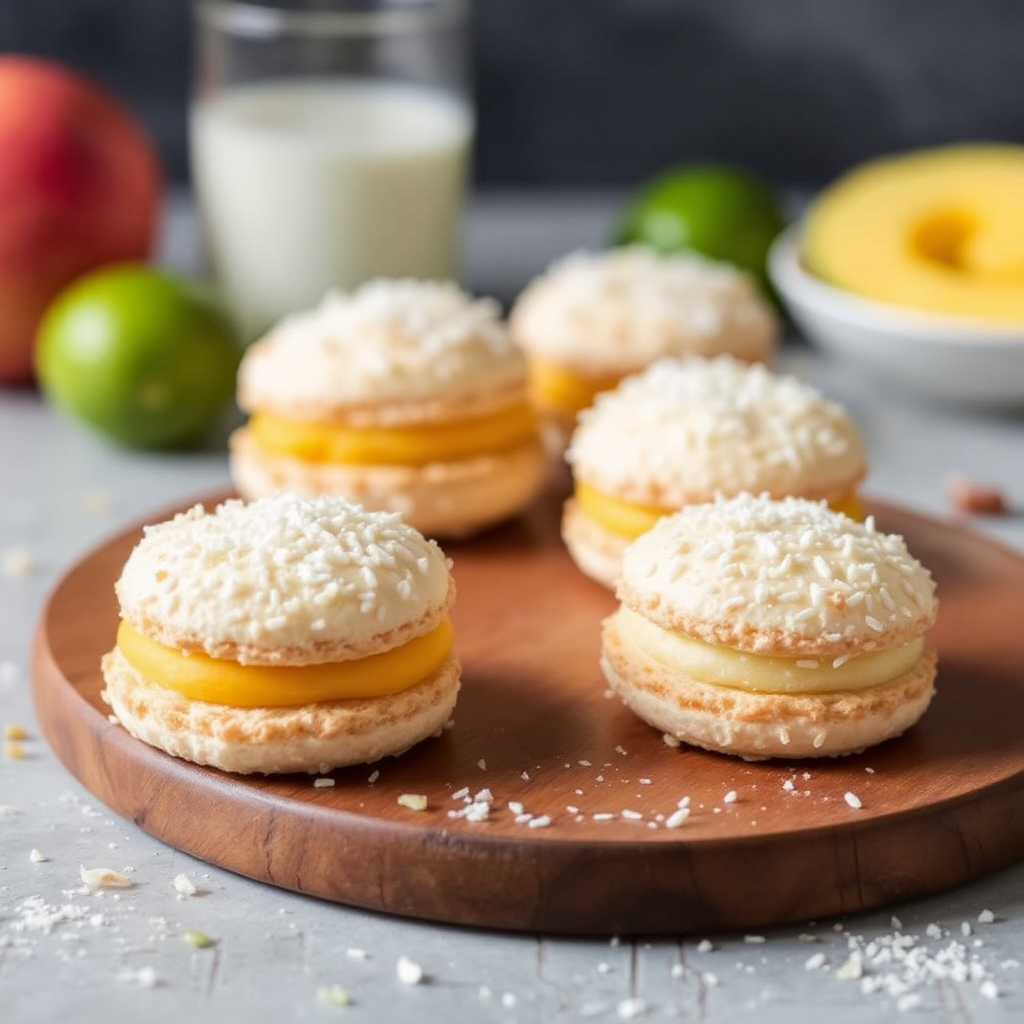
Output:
x=954 y=359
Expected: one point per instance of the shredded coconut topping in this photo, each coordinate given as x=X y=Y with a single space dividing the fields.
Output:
x=388 y=340
x=627 y=306
x=684 y=429
x=681 y=573
x=250 y=580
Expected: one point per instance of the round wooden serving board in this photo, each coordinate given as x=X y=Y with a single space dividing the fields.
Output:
x=534 y=725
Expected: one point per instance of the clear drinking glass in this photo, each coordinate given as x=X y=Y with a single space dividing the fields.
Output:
x=330 y=143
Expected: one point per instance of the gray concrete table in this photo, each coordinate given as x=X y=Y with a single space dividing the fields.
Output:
x=67 y=953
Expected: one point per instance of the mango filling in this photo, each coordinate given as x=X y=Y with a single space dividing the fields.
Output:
x=758 y=673
x=554 y=387
x=629 y=520
x=197 y=676
x=417 y=445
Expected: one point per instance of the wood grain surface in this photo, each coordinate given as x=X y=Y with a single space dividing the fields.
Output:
x=765 y=843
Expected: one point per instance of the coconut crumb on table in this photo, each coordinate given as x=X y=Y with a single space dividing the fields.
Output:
x=104 y=878
x=16 y=561
x=409 y=971
x=183 y=885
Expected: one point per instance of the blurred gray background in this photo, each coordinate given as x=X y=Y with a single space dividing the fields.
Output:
x=601 y=93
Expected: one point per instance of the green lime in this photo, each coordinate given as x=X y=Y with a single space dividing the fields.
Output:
x=146 y=357
x=717 y=210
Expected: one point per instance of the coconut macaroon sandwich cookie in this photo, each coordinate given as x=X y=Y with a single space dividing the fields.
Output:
x=405 y=396
x=593 y=317
x=772 y=628
x=687 y=429
x=288 y=634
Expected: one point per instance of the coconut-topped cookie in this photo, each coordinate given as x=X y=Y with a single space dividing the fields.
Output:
x=685 y=430
x=403 y=395
x=772 y=628
x=593 y=317
x=283 y=634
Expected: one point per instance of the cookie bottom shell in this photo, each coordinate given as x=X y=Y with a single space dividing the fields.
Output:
x=441 y=499
x=307 y=738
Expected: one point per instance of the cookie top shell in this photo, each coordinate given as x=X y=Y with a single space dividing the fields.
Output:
x=686 y=429
x=783 y=577
x=284 y=580
x=619 y=309
x=389 y=341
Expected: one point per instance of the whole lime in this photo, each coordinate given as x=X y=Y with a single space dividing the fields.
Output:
x=717 y=210
x=146 y=357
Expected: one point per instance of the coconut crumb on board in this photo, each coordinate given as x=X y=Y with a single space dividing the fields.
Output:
x=414 y=801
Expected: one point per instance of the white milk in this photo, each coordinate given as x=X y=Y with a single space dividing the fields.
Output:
x=304 y=186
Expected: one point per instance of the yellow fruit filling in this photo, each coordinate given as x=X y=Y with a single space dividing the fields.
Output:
x=629 y=520
x=554 y=387
x=218 y=681
x=758 y=673
x=414 y=445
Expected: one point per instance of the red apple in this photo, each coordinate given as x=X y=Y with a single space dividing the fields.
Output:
x=80 y=186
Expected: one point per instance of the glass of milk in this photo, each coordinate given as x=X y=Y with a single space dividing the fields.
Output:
x=329 y=143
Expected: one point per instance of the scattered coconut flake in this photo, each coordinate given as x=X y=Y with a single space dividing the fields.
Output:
x=754 y=939
x=852 y=969
x=144 y=977
x=37 y=857
x=815 y=962
x=989 y=989
x=632 y=815
x=409 y=972
x=986 y=917
x=677 y=817
x=353 y=953
x=104 y=878
x=541 y=821
x=482 y=765
x=669 y=740
x=323 y=782
x=16 y=561
x=184 y=885
x=853 y=800
x=705 y=946
x=629 y=1009
x=508 y=1000
x=414 y=801
x=730 y=797
x=374 y=776
x=896 y=923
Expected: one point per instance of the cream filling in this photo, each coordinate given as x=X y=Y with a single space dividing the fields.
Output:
x=759 y=673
